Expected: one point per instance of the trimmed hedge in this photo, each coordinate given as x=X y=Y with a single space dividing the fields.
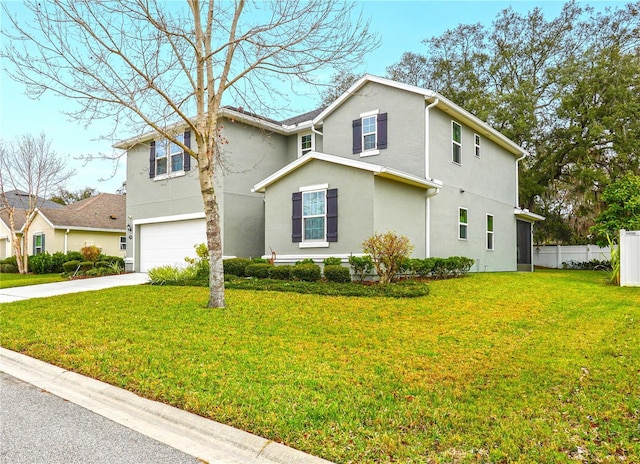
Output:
x=8 y=268
x=306 y=272
x=236 y=266
x=280 y=272
x=332 y=261
x=70 y=266
x=260 y=270
x=337 y=273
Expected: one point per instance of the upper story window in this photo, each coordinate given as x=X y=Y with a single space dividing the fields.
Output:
x=370 y=133
x=476 y=139
x=305 y=144
x=168 y=158
x=463 y=223
x=456 y=142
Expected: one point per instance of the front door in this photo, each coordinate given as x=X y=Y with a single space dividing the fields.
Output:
x=524 y=246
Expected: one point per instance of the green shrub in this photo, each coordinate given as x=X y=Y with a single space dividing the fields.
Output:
x=8 y=268
x=74 y=256
x=10 y=260
x=70 y=266
x=112 y=259
x=361 y=266
x=305 y=261
x=40 y=263
x=332 y=261
x=236 y=266
x=57 y=260
x=259 y=261
x=423 y=267
x=439 y=270
x=280 y=272
x=94 y=272
x=200 y=264
x=85 y=266
x=260 y=270
x=172 y=275
x=100 y=264
x=306 y=272
x=337 y=273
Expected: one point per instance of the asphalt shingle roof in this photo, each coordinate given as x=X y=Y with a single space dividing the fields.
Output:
x=103 y=211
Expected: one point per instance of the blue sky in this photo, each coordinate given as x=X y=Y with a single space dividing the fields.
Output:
x=402 y=26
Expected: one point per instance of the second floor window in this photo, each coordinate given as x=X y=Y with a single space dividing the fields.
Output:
x=306 y=144
x=456 y=142
x=370 y=133
x=167 y=158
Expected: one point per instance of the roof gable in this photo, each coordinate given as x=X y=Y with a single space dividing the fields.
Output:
x=105 y=211
x=375 y=169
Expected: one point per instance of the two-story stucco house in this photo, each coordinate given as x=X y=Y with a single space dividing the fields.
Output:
x=384 y=156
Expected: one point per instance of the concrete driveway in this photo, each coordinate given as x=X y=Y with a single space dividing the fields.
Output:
x=7 y=295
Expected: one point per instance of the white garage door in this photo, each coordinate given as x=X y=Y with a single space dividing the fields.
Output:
x=168 y=243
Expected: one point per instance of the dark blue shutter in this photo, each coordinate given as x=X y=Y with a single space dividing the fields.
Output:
x=187 y=156
x=42 y=244
x=296 y=217
x=357 y=136
x=34 y=245
x=382 y=131
x=152 y=160
x=332 y=215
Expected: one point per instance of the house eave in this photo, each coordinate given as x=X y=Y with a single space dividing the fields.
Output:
x=527 y=215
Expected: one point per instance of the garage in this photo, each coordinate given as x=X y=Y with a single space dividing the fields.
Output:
x=168 y=243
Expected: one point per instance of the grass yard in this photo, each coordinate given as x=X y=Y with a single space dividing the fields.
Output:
x=527 y=368
x=21 y=280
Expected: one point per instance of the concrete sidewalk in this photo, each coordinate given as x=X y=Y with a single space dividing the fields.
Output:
x=202 y=438
x=8 y=295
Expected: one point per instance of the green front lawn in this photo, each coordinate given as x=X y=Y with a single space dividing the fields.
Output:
x=21 y=280
x=529 y=368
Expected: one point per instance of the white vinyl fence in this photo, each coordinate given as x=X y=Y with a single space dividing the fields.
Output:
x=630 y=258
x=553 y=256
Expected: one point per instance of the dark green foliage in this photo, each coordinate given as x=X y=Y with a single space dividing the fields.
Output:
x=10 y=260
x=306 y=272
x=305 y=261
x=593 y=265
x=622 y=211
x=280 y=272
x=332 y=261
x=236 y=266
x=102 y=264
x=40 y=263
x=70 y=266
x=8 y=268
x=86 y=265
x=74 y=256
x=259 y=261
x=112 y=260
x=423 y=267
x=337 y=273
x=405 y=289
x=454 y=266
x=361 y=266
x=57 y=260
x=259 y=270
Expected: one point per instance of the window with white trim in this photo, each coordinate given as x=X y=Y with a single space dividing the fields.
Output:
x=176 y=155
x=369 y=133
x=305 y=144
x=38 y=244
x=314 y=213
x=463 y=223
x=456 y=142
x=123 y=242
x=476 y=142
x=490 y=232
x=168 y=159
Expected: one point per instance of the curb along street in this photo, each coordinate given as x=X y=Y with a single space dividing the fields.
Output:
x=202 y=438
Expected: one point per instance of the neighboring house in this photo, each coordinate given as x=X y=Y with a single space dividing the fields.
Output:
x=384 y=156
x=99 y=220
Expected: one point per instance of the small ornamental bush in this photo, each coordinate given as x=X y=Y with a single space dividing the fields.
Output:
x=259 y=261
x=171 y=275
x=423 y=267
x=40 y=263
x=361 y=266
x=260 y=270
x=306 y=272
x=90 y=253
x=8 y=268
x=388 y=251
x=305 y=261
x=70 y=266
x=10 y=260
x=236 y=266
x=57 y=260
x=332 y=261
x=86 y=265
x=280 y=272
x=337 y=273
x=101 y=264
x=74 y=256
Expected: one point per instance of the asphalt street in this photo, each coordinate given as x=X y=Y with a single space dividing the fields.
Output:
x=37 y=427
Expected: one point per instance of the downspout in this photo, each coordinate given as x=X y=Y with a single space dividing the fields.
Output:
x=524 y=155
x=66 y=241
x=427 y=232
